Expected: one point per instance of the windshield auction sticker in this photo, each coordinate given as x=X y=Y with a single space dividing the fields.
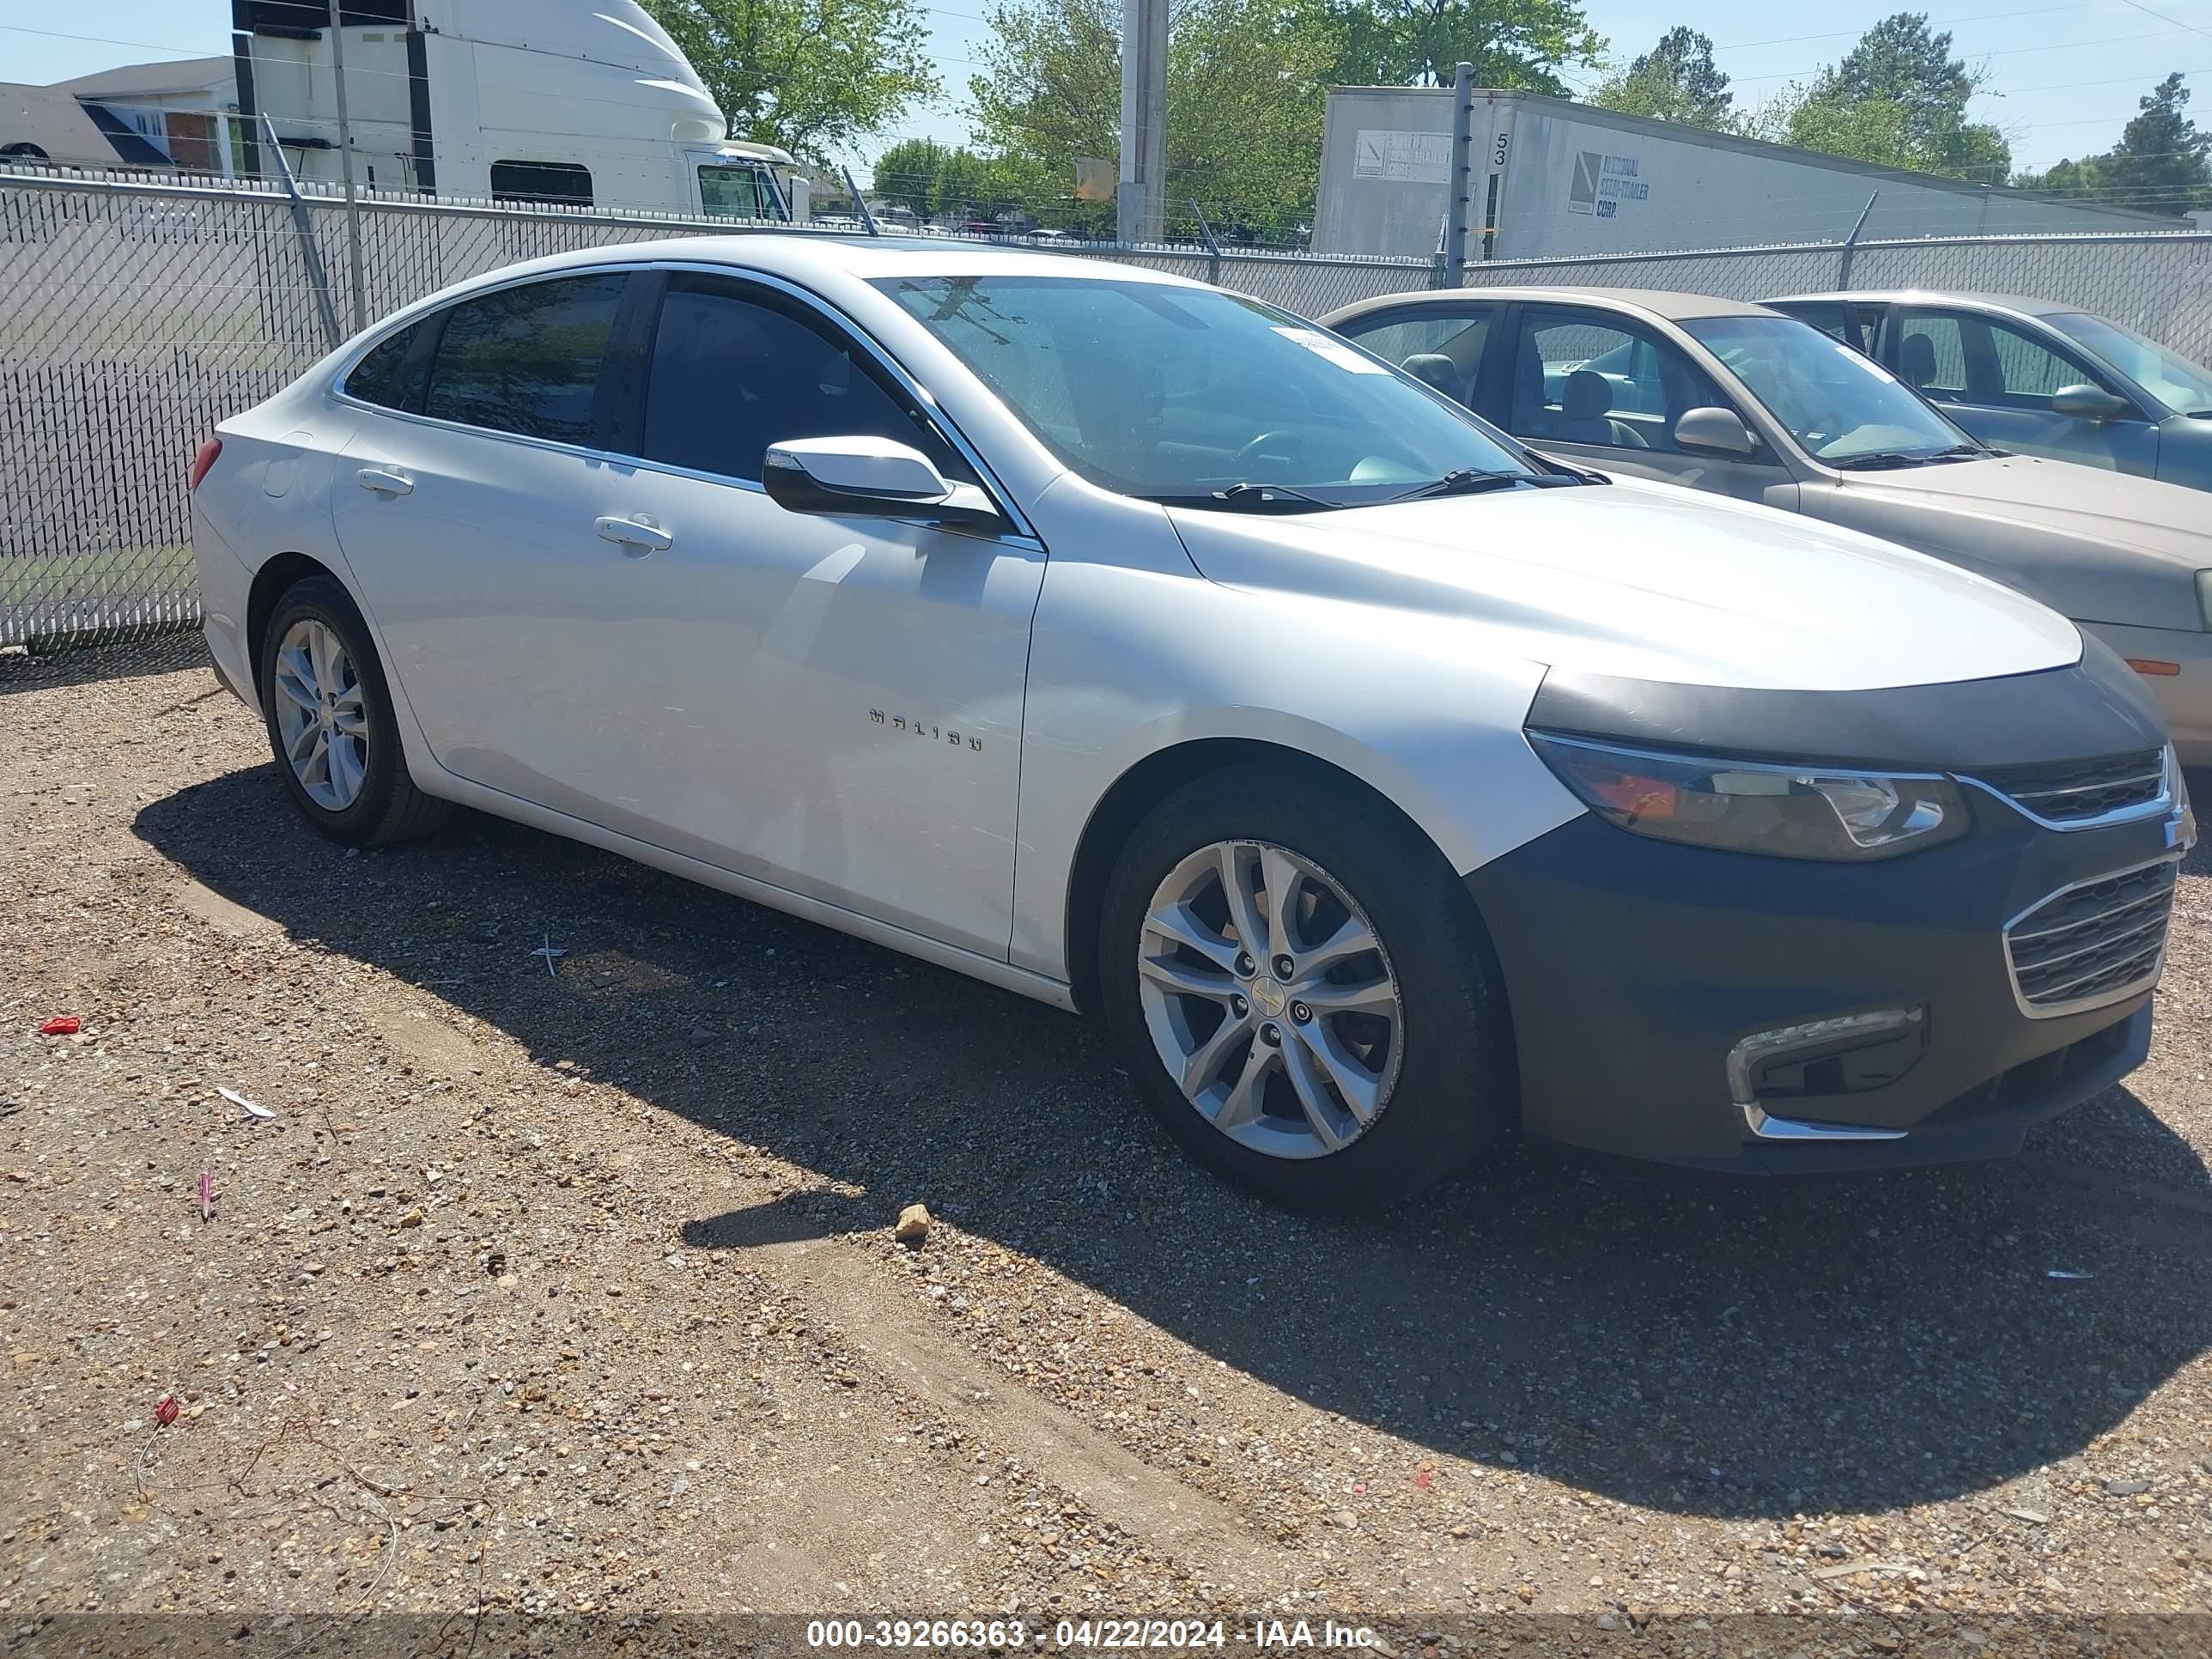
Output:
x=1335 y=351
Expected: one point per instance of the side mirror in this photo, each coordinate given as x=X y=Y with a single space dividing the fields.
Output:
x=868 y=477
x=2089 y=402
x=1719 y=431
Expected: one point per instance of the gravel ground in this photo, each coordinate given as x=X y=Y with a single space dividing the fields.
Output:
x=575 y=1291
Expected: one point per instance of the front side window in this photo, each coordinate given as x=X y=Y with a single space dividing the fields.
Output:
x=2182 y=387
x=2029 y=373
x=735 y=369
x=527 y=360
x=731 y=193
x=1586 y=377
x=390 y=376
x=1840 y=406
x=562 y=183
x=1442 y=348
x=1931 y=355
x=1181 y=394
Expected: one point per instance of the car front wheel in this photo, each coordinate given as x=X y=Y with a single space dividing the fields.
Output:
x=1305 y=990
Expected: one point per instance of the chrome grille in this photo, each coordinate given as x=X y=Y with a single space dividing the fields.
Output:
x=2072 y=792
x=2092 y=944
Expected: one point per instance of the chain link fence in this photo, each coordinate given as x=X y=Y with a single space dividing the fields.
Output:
x=141 y=312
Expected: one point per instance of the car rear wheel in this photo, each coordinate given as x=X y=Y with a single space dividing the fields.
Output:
x=330 y=722
x=1305 y=991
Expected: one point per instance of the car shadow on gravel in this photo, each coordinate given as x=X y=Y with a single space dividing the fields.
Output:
x=1691 y=1343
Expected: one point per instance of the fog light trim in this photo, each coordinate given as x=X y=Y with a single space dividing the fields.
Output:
x=1762 y=1046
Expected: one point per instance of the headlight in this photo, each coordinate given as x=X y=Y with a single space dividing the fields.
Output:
x=2204 y=599
x=1756 y=806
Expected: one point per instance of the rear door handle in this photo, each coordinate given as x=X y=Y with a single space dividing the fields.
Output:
x=638 y=536
x=386 y=482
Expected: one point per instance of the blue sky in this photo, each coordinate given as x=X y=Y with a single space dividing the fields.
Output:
x=2064 y=76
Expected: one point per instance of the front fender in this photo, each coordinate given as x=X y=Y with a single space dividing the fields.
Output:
x=1127 y=663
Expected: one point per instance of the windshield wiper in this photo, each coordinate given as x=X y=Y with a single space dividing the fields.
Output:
x=1889 y=458
x=1466 y=481
x=1255 y=498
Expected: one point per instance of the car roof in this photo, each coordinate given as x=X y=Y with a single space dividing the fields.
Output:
x=801 y=254
x=2021 y=304
x=1650 y=302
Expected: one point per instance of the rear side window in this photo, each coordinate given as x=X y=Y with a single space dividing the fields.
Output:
x=564 y=183
x=735 y=369
x=527 y=360
x=390 y=376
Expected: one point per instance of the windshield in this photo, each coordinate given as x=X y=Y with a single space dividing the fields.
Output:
x=2184 y=387
x=1179 y=394
x=1836 y=403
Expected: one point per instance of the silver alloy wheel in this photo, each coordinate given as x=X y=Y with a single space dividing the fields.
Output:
x=1270 y=1000
x=322 y=716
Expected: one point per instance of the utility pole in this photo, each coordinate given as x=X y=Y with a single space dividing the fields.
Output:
x=1459 y=175
x=1142 y=193
x=345 y=164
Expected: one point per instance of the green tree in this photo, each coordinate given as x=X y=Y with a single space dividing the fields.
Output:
x=1511 y=43
x=2163 y=162
x=811 y=76
x=1898 y=99
x=1676 y=81
x=1246 y=84
x=907 y=174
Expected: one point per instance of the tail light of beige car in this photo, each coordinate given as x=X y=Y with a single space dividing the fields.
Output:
x=205 y=459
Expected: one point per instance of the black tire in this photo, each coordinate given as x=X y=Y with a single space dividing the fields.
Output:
x=1456 y=1087
x=389 y=808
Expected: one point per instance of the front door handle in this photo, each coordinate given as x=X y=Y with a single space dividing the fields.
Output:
x=386 y=482
x=636 y=537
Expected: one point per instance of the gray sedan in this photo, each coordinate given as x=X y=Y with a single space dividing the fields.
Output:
x=1743 y=401
x=2035 y=375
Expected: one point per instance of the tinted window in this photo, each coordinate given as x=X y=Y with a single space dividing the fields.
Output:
x=2185 y=388
x=735 y=369
x=1931 y=355
x=528 y=359
x=562 y=182
x=1579 y=378
x=1177 y=394
x=1442 y=349
x=386 y=377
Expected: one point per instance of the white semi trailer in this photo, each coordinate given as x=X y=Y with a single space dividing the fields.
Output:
x=1549 y=178
x=579 y=102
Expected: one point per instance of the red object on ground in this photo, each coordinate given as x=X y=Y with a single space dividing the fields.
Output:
x=165 y=1410
x=64 y=1025
x=207 y=1195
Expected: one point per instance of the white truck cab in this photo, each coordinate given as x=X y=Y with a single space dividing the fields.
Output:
x=583 y=103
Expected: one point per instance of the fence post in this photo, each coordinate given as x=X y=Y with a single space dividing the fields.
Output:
x=1852 y=243
x=1460 y=174
x=345 y=161
x=306 y=224
x=1213 y=248
x=861 y=203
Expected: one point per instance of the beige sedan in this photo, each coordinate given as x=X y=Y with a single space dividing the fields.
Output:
x=1746 y=402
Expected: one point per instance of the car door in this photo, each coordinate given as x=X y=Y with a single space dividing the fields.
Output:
x=468 y=516
x=832 y=704
x=1998 y=379
x=1604 y=389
